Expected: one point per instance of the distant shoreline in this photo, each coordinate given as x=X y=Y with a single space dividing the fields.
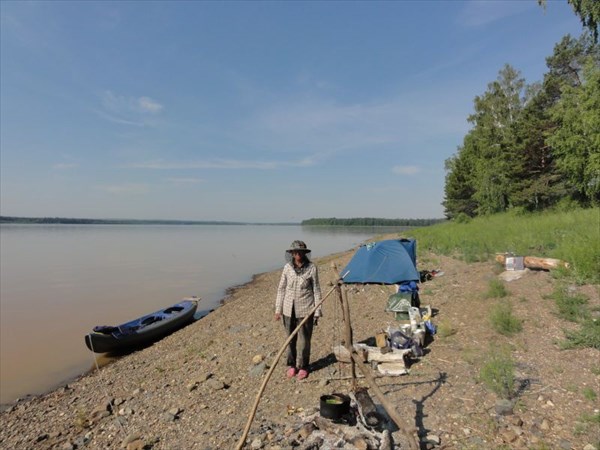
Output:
x=77 y=221
x=322 y=222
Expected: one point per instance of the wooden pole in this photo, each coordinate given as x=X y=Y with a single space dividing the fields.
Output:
x=348 y=344
x=347 y=332
x=242 y=440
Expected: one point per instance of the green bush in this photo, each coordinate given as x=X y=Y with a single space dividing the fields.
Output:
x=497 y=372
x=503 y=319
x=462 y=218
x=589 y=394
x=587 y=336
x=496 y=289
x=570 y=307
x=445 y=329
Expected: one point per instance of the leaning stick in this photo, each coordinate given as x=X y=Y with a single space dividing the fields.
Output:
x=242 y=440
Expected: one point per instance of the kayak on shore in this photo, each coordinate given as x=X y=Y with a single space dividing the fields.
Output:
x=143 y=330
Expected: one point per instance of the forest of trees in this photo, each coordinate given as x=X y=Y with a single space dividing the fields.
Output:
x=371 y=222
x=532 y=146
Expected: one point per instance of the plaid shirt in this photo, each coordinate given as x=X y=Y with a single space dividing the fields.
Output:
x=298 y=290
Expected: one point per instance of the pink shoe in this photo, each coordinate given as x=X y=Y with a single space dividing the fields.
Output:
x=291 y=372
x=302 y=374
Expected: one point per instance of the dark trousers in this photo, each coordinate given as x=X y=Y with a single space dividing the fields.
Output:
x=300 y=340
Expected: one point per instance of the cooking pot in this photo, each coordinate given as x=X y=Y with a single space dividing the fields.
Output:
x=334 y=406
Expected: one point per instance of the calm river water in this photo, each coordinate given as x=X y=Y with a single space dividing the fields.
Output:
x=58 y=281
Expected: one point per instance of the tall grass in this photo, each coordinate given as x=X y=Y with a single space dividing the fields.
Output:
x=588 y=335
x=573 y=236
x=573 y=308
x=503 y=319
x=498 y=372
x=496 y=289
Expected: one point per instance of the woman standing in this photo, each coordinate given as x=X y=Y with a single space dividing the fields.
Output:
x=297 y=294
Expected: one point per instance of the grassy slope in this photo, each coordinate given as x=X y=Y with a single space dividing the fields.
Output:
x=573 y=236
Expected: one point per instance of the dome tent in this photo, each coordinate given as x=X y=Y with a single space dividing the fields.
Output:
x=385 y=262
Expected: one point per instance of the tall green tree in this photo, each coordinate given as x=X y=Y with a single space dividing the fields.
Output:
x=532 y=146
x=496 y=113
x=540 y=182
x=479 y=178
x=459 y=188
x=537 y=182
x=576 y=140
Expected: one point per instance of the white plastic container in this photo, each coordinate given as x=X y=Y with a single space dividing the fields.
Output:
x=419 y=336
x=514 y=263
x=415 y=318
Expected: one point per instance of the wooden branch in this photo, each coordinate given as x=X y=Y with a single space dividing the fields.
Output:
x=309 y=316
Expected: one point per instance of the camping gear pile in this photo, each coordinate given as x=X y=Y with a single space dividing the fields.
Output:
x=392 y=262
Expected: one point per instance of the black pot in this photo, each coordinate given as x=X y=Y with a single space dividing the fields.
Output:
x=334 y=406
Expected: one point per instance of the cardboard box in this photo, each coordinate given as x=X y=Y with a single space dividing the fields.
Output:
x=381 y=340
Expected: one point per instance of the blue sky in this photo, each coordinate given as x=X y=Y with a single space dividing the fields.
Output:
x=250 y=111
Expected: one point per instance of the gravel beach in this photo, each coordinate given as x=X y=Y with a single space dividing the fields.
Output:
x=195 y=388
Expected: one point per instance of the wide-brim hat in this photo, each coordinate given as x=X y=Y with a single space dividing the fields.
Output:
x=298 y=246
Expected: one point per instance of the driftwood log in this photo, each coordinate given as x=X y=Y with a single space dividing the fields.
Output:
x=534 y=262
x=408 y=431
x=367 y=408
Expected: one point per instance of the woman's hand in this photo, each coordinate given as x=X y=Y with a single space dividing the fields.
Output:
x=277 y=316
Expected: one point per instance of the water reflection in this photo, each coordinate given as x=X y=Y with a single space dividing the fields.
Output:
x=59 y=281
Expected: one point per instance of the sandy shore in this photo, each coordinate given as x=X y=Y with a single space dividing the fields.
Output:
x=195 y=388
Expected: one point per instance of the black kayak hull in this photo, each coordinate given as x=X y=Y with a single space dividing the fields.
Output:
x=143 y=330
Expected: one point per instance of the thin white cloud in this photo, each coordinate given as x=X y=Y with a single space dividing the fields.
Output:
x=116 y=119
x=406 y=170
x=326 y=128
x=146 y=104
x=185 y=180
x=64 y=166
x=223 y=164
x=125 y=189
x=128 y=110
x=124 y=104
x=478 y=13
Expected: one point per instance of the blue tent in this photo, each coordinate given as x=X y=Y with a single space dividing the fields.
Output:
x=384 y=262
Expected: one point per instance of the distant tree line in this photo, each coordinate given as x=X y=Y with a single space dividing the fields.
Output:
x=371 y=222
x=532 y=147
x=73 y=221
